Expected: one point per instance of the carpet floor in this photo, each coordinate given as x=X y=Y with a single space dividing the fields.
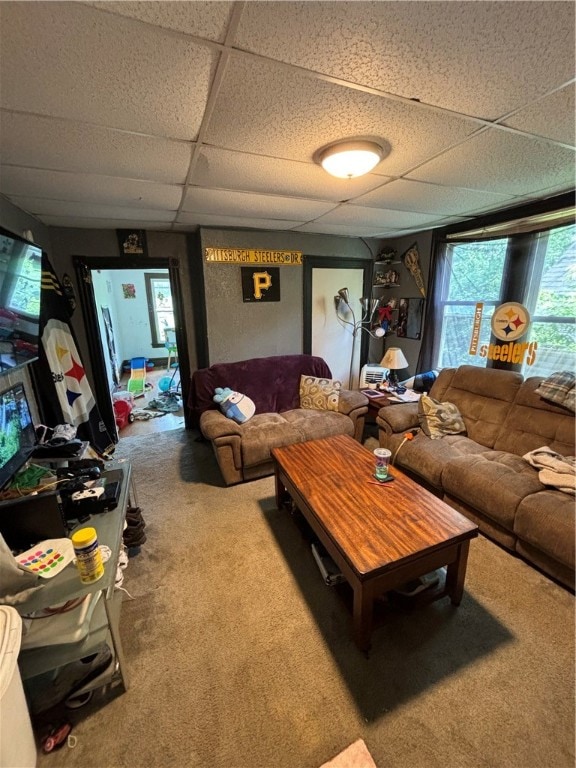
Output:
x=239 y=656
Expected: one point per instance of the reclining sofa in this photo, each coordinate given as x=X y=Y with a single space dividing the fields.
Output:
x=481 y=472
x=243 y=451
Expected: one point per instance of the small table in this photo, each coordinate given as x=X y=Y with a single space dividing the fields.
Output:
x=379 y=535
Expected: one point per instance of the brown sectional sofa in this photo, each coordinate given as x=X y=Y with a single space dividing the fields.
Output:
x=273 y=383
x=482 y=473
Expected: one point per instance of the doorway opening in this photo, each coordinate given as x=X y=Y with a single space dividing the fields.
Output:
x=137 y=342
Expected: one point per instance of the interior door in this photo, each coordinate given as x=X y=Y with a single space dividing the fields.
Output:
x=336 y=341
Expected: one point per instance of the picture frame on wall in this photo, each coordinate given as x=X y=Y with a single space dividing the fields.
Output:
x=132 y=242
x=410 y=316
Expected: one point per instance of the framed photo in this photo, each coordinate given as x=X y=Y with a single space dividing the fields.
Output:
x=410 y=314
x=132 y=242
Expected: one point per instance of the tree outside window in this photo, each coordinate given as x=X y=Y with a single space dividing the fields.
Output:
x=487 y=271
x=160 y=308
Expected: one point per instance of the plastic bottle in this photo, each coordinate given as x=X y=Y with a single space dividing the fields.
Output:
x=88 y=555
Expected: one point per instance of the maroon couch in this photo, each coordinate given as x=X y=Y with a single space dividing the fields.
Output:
x=273 y=383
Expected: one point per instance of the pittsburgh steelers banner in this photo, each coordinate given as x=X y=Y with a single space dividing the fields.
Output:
x=64 y=393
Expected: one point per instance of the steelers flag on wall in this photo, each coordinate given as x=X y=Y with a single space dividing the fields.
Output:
x=63 y=391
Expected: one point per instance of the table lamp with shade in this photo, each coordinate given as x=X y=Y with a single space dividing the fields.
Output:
x=394 y=360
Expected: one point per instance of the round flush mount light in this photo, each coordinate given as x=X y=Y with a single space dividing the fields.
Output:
x=348 y=159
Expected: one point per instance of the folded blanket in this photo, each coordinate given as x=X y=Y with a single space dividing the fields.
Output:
x=555 y=470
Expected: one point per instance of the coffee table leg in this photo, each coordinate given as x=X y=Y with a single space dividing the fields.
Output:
x=457 y=573
x=363 y=608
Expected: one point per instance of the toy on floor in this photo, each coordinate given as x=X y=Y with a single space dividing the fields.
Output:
x=137 y=381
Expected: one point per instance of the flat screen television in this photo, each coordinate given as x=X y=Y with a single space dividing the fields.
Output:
x=17 y=433
x=20 y=281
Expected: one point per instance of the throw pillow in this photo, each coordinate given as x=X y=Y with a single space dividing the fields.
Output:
x=319 y=394
x=439 y=419
x=235 y=406
x=559 y=389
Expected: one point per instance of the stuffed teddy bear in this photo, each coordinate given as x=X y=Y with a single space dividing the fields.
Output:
x=235 y=406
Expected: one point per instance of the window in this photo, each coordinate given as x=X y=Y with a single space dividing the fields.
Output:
x=159 y=306
x=535 y=269
x=472 y=273
x=551 y=301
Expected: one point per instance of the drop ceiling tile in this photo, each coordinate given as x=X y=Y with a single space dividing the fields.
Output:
x=87 y=188
x=309 y=113
x=40 y=207
x=449 y=54
x=155 y=82
x=203 y=19
x=501 y=162
x=552 y=117
x=248 y=222
x=404 y=195
x=97 y=223
x=249 y=204
x=227 y=169
x=322 y=228
x=375 y=217
x=41 y=142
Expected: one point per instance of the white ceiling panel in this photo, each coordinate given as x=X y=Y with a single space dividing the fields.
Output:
x=310 y=113
x=248 y=204
x=42 y=142
x=451 y=54
x=156 y=83
x=87 y=188
x=551 y=117
x=225 y=169
x=377 y=217
x=213 y=220
x=501 y=162
x=404 y=195
x=98 y=223
x=41 y=206
x=209 y=19
x=109 y=110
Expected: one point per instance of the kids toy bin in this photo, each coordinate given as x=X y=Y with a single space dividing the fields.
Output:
x=17 y=744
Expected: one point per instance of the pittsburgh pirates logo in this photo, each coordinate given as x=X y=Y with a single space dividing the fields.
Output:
x=262 y=282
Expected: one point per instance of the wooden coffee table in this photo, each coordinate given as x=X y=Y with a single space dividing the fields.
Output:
x=380 y=536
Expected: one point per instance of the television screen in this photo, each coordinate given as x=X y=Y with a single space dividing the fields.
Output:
x=17 y=433
x=20 y=280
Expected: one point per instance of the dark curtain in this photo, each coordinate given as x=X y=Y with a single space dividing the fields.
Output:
x=432 y=318
x=62 y=390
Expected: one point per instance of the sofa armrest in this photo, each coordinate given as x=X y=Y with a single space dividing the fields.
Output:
x=350 y=400
x=394 y=419
x=214 y=425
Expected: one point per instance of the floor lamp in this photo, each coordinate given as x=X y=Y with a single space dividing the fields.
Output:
x=356 y=326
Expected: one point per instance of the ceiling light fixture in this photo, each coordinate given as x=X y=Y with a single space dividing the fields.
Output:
x=348 y=159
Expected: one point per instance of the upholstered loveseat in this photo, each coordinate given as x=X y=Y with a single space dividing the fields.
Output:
x=273 y=383
x=482 y=472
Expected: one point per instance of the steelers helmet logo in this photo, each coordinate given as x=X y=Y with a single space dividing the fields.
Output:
x=510 y=321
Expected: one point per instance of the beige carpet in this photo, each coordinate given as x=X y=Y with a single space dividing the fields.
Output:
x=240 y=657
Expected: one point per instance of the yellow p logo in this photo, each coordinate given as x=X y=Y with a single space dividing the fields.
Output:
x=262 y=281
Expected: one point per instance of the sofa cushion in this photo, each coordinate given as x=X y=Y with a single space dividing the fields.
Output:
x=263 y=432
x=482 y=395
x=532 y=422
x=319 y=394
x=427 y=458
x=439 y=419
x=313 y=424
x=546 y=521
x=493 y=482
